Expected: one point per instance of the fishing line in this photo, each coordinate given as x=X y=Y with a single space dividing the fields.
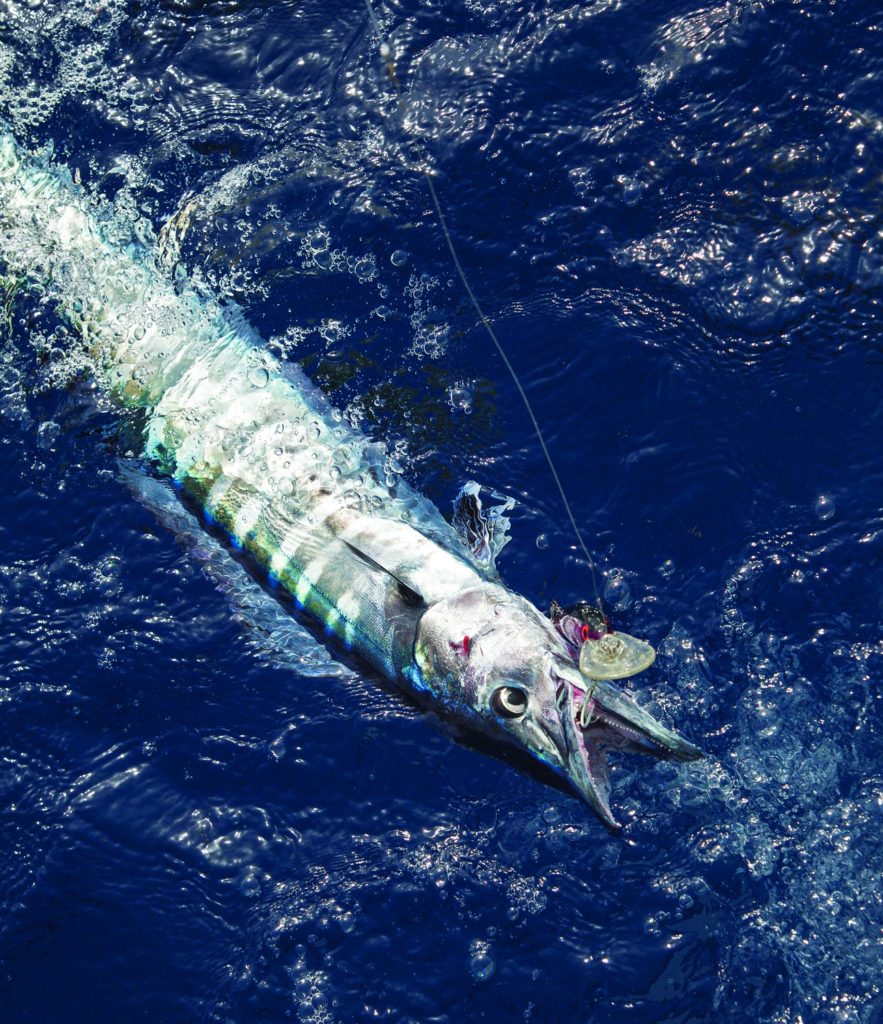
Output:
x=386 y=56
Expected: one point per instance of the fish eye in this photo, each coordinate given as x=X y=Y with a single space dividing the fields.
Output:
x=510 y=702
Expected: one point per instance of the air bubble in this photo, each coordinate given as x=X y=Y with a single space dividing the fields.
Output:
x=460 y=396
x=347 y=923
x=365 y=269
x=632 y=190
x=250 y=883
x=47 y=434
x=824 y=507
x=399 y=258
x=617 y=592
x=258 y=377
x=481 y=963
x=333 y=331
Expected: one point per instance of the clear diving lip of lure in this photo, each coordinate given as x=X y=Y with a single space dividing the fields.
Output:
x=603 y=653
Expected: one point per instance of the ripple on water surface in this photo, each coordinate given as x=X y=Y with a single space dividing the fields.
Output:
x=672 y=214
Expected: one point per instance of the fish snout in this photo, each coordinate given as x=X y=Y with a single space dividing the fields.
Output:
x=597 y=717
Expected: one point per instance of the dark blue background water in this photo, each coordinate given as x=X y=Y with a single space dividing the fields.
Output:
x=672 y=213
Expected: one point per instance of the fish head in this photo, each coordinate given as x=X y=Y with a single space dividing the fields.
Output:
x=497 y=663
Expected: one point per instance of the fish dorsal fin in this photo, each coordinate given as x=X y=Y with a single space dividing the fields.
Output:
x=483 y=529
x=409 y=594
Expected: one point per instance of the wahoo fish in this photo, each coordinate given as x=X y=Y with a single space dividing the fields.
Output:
x=313 y=503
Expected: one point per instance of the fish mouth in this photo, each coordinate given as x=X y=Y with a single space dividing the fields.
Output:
x=597 y=717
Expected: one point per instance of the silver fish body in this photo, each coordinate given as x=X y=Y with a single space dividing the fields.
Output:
x=312 y=500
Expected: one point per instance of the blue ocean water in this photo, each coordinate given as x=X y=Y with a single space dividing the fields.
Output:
x=671 y=213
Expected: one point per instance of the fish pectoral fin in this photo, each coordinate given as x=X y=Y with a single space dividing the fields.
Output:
x=409 y=594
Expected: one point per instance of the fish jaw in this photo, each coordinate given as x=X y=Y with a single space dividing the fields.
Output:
x=586 y=765
x=601 y=705
x=597 y=717
x=475 y=646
